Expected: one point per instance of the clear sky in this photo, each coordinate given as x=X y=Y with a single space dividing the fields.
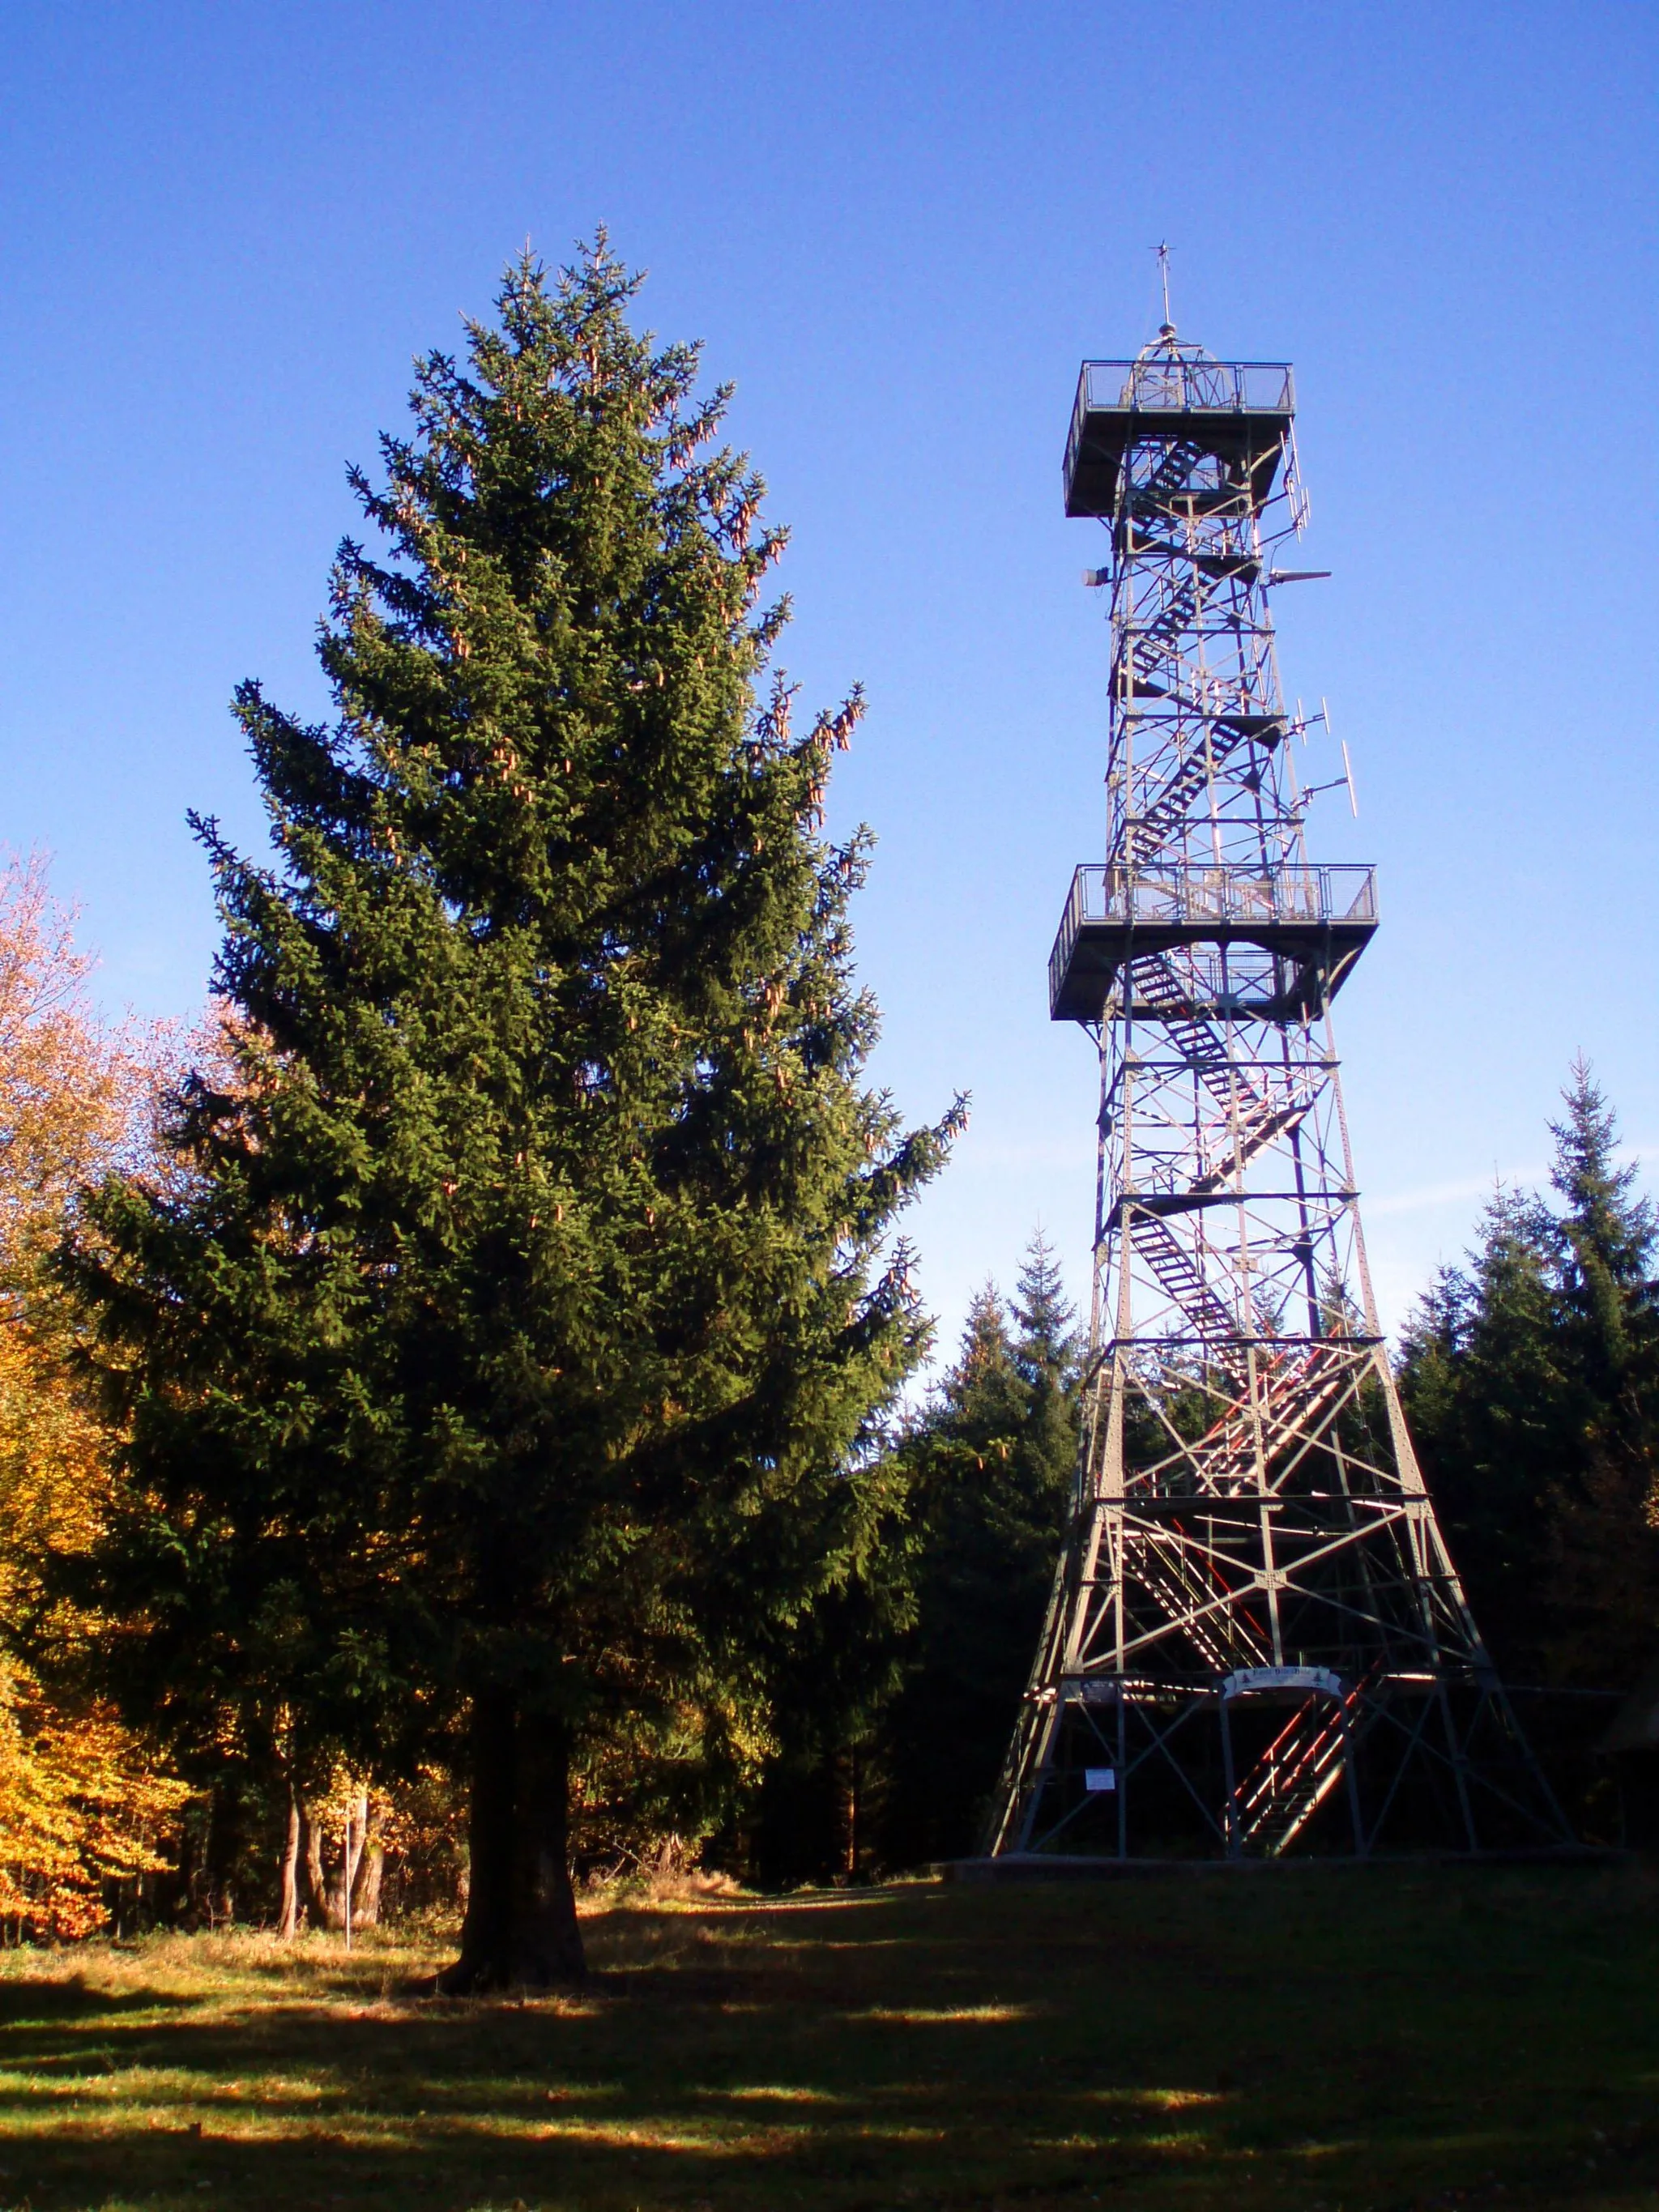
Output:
x=228 y=228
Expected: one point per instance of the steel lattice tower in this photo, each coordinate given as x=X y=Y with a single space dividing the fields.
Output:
x=1256 y=1640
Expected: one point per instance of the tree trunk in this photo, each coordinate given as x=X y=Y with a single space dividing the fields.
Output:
x=853 y=1838
x=520 y=1928
x=371 y=1870
x=324 y=1911
x=486 y=1930
x=548 y=1938
x=366 y=1897
x=354 y=1836
x=224 y=1850
x=289 y=1921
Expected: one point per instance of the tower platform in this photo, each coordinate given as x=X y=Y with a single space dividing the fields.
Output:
x=1317 y=920
x=1239 y=411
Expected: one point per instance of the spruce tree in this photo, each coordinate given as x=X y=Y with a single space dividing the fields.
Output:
x=1484 y=1392
x=1045 y=1354
x=1602 y=1628
x=505 y=1350
x=821 y=1811
x=991 y=1464
x=1607 y=1235
x=1532 y=1384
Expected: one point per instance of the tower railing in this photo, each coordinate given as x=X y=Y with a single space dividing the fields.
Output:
x=1233 y=896
x=1179 y=386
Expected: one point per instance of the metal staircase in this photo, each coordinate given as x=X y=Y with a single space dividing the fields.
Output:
x=1146 y=648
x=1182 y=1278
x=1170 y=474
x=1292 y=1393
x=1263 y=1125
x=1295 y=1775
x=1189 y=1591
x=1164 y=811
x=1256 y=1116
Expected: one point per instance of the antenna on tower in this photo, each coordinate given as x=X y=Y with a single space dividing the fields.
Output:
x=1162 y=251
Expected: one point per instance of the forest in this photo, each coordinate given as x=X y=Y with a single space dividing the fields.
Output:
x=464 y=1426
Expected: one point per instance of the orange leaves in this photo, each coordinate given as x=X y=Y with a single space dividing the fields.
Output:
x=68 y=1094
x=80 y=1807
x=53 y=1468
x=81 y=1804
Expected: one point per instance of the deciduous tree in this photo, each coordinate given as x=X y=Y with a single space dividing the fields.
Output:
x=84 y=1805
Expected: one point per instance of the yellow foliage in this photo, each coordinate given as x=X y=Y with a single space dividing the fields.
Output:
x=54 y=1458
x=68 y=1092
x=82 y=1803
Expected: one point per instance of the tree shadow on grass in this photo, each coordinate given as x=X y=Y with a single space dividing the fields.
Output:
x=967 y=2056
x=691 y=2084
x=27 y=2002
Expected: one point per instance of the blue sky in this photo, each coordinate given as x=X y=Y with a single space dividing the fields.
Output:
x=229 y=227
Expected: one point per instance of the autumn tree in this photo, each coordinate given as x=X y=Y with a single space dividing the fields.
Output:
x=83 y=1804
x=510 y=1350
x=72 y=1095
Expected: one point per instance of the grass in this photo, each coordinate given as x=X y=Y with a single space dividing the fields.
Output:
x=1289 y=2038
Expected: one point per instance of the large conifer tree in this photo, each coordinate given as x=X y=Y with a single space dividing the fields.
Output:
x=510 y=1342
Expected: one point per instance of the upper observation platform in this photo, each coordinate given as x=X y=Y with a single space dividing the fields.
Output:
x=1314 y=921
x=1237 y=412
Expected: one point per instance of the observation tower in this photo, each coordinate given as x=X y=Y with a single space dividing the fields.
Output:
x=1257 y=1641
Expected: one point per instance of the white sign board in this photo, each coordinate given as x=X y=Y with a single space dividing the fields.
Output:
x=1099 y=1777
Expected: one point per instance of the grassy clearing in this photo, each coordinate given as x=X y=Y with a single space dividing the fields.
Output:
x=1292 y=2038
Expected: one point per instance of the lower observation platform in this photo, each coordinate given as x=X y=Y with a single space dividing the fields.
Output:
x=1316 y=921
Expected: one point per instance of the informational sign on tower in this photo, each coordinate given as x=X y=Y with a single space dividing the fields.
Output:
x=1257 y=1641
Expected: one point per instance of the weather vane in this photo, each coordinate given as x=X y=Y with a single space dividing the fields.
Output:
x=1162 y=250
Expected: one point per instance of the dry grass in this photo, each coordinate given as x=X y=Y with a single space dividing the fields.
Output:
x=1290 y=2039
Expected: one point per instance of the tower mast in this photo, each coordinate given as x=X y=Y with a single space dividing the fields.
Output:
x=1257 y=1641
